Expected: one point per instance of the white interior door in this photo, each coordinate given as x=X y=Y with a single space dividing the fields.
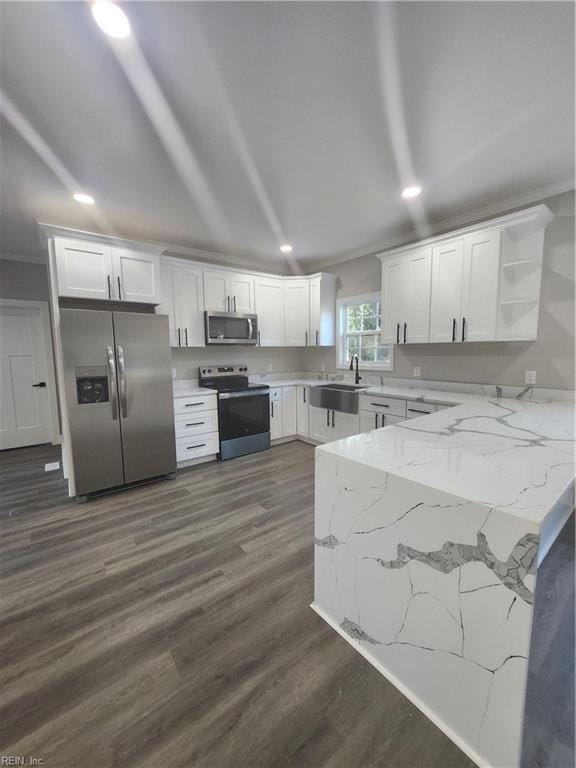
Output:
x=446 y=298
x=24 y=406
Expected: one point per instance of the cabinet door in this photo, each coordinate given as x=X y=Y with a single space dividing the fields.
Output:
x=395 y=276
x=370 y=420
x=345 y=425
x=315 y=312
x=302 y=411
x=288 y=411
x=216 y=294
x=415 y=294
x=275 y=419
x=189 y=312
x=136 y=276
x=480 y=286
x=168 y=305
x=241 y=292
x=446 y=298
x=297 y=312
x=269 y=305
x=84 y=269
x=389 y=420
x=320 y=425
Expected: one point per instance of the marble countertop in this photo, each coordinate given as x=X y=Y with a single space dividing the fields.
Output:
x=512 y=455
x=189 y=388
x=285 y=382
x=423 y=395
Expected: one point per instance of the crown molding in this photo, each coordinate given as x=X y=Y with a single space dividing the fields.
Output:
x=444 y=226
x=22 y=257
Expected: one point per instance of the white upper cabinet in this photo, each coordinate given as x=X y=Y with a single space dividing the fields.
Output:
x=269 y=305
x=183 y=302
x=84 y=269
x=446 y=304
x=480 y=286
x=92 y=270
x=137 y=276
x=229 y=292
x=481 y=283
x=322 y=331
x=296 y=312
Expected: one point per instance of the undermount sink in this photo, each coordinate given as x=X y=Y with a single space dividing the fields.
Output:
x=336 y=397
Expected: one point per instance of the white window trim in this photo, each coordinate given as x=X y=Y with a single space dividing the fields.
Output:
x=341 y=305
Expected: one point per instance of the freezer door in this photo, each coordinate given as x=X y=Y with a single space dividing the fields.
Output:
x=145 y=394
x=91 y=399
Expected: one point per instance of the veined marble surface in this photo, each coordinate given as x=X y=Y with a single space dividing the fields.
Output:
x=427 y=544
x=514 y=455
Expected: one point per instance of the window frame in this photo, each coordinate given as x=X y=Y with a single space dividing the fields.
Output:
x=341 y=307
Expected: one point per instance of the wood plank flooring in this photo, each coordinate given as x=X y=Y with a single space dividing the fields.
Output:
x=170 y=626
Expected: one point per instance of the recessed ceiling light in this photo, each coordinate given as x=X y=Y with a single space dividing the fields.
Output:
x=80 y=197
x=411 y=192
x=286 y=248
x=111 y=19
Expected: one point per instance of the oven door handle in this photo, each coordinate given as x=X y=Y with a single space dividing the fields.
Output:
x=229 y=395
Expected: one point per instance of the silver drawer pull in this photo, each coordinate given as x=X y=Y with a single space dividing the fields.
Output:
x=191 y=447
x=190 y=405
x=380 y=405
x=195 y=424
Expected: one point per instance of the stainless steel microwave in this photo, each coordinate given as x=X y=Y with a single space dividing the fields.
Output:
x=230 y=328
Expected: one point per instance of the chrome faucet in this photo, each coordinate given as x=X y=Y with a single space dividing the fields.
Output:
x=357 y=377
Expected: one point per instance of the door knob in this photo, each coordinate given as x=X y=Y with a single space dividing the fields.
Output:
x=41 y=384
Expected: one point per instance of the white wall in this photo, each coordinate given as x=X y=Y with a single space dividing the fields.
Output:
x=551 y=356
x=23 y=280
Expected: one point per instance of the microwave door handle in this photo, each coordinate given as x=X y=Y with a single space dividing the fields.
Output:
x=250 y=328
x=112 y=382
x=122 y=380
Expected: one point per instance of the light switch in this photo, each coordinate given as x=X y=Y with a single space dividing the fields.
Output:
x=530 y=377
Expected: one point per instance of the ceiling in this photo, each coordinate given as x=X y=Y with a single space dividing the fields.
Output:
x=231 y=127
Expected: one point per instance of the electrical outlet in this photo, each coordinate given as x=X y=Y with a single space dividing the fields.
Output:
x=530 y=377
x=416 y=370
x=269 y=366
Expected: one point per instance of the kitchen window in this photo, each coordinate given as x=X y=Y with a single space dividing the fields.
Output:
x=359 y=327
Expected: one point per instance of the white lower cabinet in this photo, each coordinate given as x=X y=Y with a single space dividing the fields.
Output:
x=289 y=415
x=302 y=411
x=328 y=425
x=196 y=426
x=275 y=419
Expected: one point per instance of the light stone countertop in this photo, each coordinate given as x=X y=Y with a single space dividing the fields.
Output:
x=189 y=388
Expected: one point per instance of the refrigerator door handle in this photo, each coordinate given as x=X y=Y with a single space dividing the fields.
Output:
x=122 y=382
x=112 y=382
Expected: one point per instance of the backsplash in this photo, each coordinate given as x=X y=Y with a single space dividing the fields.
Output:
x=258 y=359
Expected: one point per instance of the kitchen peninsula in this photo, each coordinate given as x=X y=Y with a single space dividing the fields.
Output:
x=428 y=538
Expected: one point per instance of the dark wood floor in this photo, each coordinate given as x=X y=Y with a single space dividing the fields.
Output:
x=169 y=626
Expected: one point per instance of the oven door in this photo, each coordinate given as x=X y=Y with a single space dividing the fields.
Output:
x=242 y=414
x=230 y=328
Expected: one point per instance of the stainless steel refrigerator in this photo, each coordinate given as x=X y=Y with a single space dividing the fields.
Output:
x=118 y=383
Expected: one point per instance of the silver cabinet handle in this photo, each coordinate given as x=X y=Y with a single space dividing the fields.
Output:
x=109 y=287
x=119 y=288
x=191 y=447
x=316 y=338
x=122 y=380
x=112 y=382
x=179 y=338
x=235 y=304
x=186 y=335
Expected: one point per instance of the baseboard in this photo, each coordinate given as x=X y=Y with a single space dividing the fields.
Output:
x=438 y=722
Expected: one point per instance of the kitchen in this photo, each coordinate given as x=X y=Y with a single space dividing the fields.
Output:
x=219 y=456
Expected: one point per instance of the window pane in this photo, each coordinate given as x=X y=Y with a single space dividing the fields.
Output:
x=352 y=346
x=368 y=309
x=354 y=324
x=369 y=323
x=368 y=355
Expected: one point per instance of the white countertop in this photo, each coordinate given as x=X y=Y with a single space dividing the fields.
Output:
x=423 y=395
x=512 y=455
x=273 y=383
x=189 y=388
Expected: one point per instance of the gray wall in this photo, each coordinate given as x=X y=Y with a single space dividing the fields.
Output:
x=258 y=359
x=23 y=280
x=551 y=356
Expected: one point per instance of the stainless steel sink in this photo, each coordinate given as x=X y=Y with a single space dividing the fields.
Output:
x=336 y=397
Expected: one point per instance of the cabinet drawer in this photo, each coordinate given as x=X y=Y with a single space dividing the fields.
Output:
x=195 y=403
x=276 y=393
x=195 y=447
x=415 y=409
x=384 y=405
x=195 y=423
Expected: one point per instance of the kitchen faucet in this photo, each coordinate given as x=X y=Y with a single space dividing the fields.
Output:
x=357 y=377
